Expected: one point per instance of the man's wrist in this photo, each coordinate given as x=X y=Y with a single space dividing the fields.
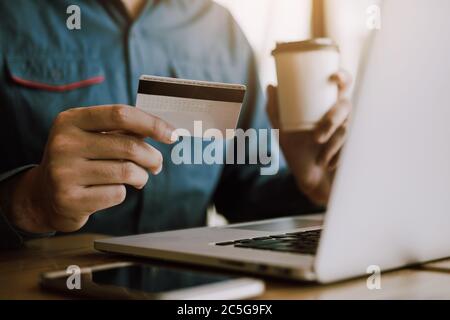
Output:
x=313 y=193
x=19 y=205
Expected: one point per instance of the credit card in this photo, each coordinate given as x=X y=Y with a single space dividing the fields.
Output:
x=188 y=104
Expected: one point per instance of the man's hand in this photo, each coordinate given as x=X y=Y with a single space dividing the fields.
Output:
x=91 y=154
x=313 y=156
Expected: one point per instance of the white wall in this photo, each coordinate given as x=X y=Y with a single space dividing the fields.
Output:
x=267 y=21
x=347 y=25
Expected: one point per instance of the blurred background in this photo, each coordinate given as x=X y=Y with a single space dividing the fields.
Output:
x=266 y=22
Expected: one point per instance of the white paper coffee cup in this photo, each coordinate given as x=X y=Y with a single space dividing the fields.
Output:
x=305 y=92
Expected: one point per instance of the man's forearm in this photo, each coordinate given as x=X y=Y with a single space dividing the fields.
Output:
x=6 y=188
x=262 y=197
x=16 y=204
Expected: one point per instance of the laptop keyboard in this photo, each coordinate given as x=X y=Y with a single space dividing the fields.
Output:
x=305 y=242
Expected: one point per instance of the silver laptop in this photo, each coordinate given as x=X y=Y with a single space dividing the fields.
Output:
x=390 y=204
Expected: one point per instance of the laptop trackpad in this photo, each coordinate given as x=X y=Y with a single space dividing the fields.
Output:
x=281 y=225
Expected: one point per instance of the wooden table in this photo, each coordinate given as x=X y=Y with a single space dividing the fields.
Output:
x=20 y=270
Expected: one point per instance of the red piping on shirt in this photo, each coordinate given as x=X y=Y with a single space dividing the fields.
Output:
x=59 y=88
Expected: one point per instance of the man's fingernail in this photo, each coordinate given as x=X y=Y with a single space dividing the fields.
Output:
x=158 y=171
x=317 y=134
x=173 y=136
x=323 y=137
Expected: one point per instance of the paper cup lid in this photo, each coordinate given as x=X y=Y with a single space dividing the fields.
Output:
x=307 y=45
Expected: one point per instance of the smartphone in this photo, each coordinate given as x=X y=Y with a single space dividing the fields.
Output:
x=149 y=282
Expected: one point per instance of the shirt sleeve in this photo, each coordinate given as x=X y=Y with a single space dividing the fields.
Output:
x=10 y=236
x=243 y=194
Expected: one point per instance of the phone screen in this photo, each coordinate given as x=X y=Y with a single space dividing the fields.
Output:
x=154 y=279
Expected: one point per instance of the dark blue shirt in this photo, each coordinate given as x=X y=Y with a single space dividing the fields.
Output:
x=47 y=68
